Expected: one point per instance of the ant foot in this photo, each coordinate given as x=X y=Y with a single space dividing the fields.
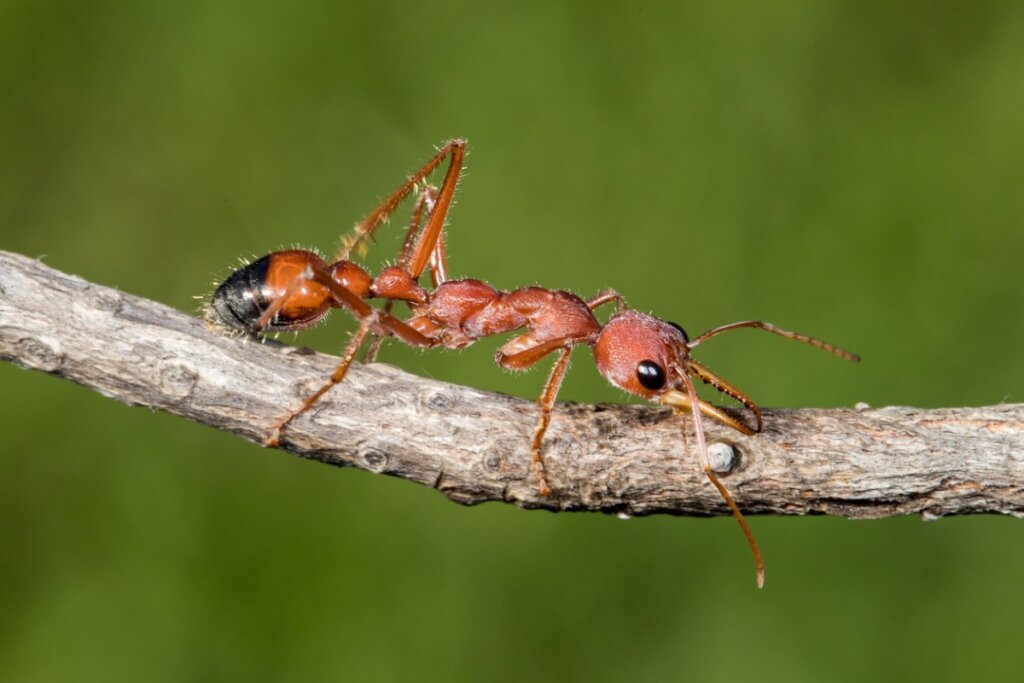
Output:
x=542 y=478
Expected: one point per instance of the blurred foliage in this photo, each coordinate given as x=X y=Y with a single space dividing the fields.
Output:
x=851 y=170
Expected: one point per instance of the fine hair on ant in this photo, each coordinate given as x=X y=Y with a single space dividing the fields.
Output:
x=294 y=289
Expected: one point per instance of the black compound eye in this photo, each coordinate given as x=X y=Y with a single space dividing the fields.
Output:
x=686 y=337
x=650 y=375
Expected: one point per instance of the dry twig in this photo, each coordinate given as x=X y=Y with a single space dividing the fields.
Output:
x=473 y=446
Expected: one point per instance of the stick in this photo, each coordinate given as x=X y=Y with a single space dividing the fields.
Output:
x=474 y=446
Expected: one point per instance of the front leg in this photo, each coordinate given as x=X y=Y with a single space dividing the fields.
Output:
x=524 y=359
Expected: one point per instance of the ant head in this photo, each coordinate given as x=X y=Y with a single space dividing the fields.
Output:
x=644 y=356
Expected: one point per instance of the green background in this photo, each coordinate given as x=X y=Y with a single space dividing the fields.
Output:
x=850 y=170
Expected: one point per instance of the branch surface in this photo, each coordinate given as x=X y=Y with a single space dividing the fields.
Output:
x=473 y=446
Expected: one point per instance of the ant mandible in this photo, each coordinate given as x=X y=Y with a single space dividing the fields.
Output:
x=645 y=356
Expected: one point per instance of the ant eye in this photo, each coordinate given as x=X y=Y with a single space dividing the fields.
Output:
x=650 y=375
x=686 y=337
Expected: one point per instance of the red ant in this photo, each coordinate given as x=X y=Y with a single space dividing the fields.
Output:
x=645 y=356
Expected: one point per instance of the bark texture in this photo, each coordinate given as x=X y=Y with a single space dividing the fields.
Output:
x=473 y=446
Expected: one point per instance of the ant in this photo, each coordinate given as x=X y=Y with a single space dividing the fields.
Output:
x=645 y=356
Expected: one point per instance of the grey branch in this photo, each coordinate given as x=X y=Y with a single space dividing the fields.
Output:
x=473 y=446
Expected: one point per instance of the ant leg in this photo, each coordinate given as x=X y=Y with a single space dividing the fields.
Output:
x=520 y=360
x=705 y=464
x=768 y=327
x=366 y=227
x=278 y=303
x=547 y=401
x=607 y=296
x=554 y=383
x=425 y=203
x=339 y=374
x=376 y=340
x=426 y=245
x=438 y=257
x=383 y=323
x=439 y=263
x=717 y=382
x=370 y=320
x=524 y=359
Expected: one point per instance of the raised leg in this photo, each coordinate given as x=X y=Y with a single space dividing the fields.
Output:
x=439 y=263
x=426 y=245
x=425 y=205
x=768 y=327
x=366 y=227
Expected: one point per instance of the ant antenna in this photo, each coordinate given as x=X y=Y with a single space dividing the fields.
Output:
x=768 y=327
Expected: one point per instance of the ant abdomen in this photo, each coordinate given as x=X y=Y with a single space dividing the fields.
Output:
x=242 y=301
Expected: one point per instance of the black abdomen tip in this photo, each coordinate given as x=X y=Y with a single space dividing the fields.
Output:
x=241 y=300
